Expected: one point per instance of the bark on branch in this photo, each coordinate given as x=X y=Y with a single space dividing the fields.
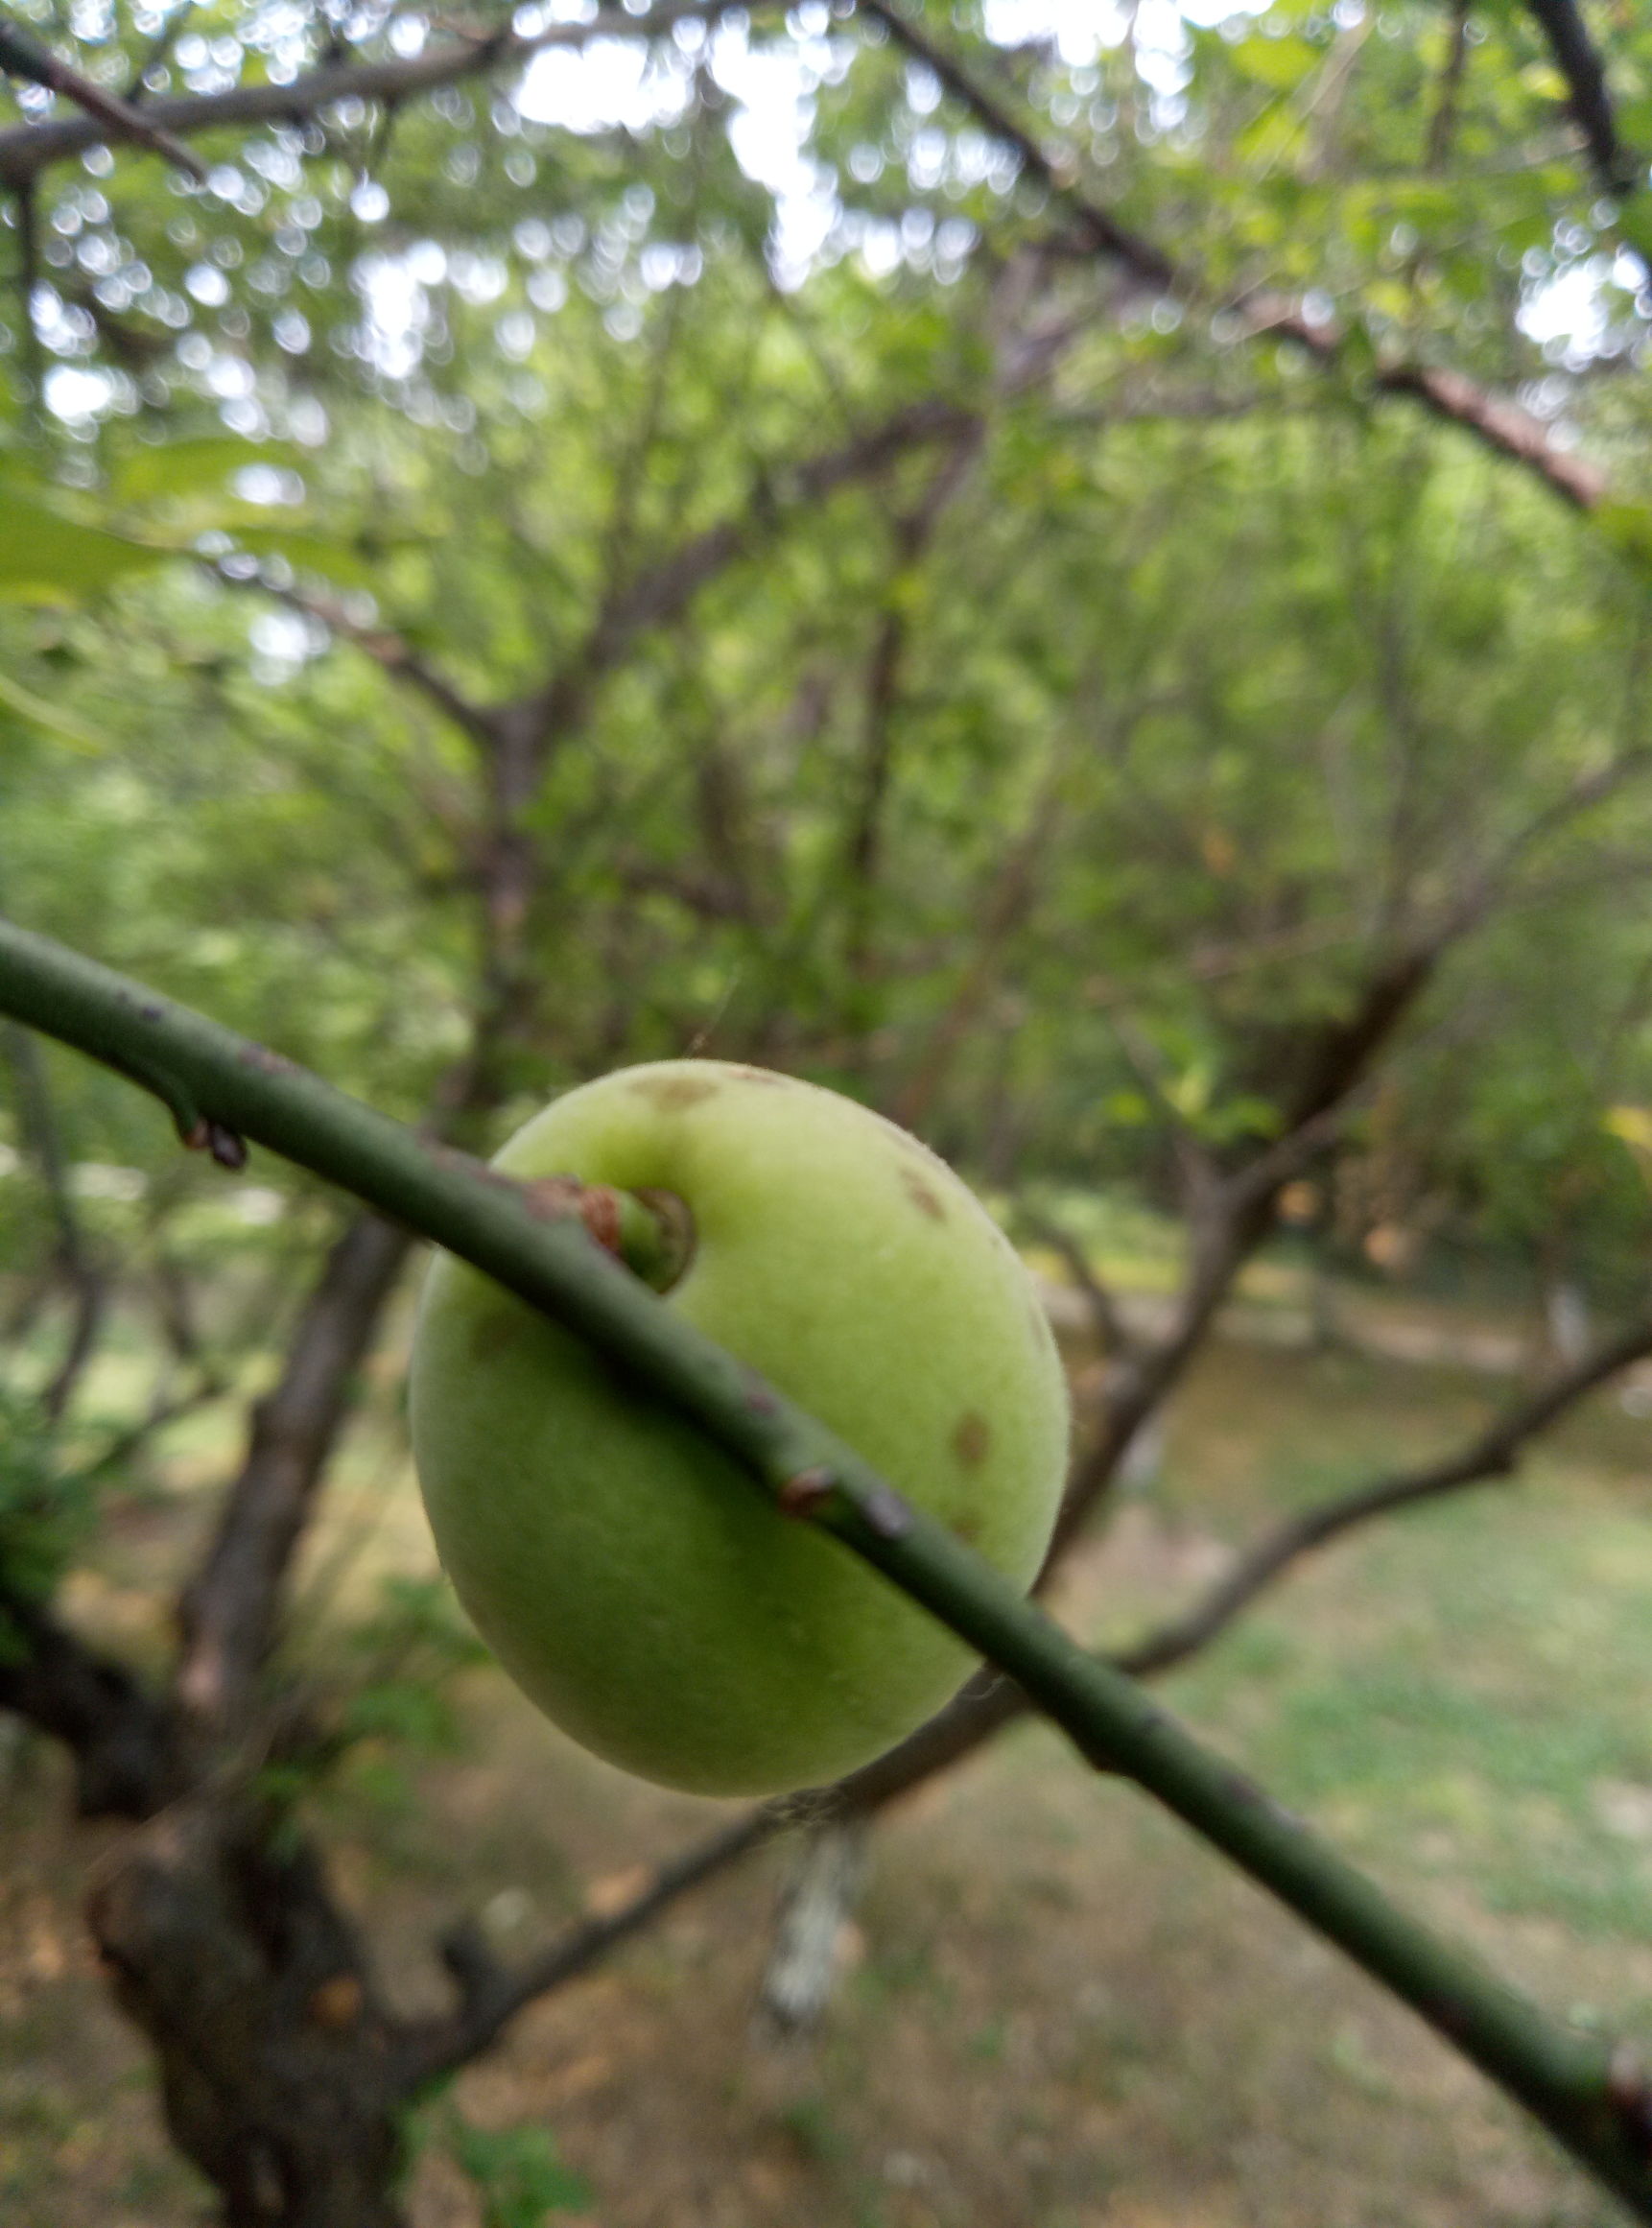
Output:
x=230 y=1613
x=119 y=1736
x=1587 y=96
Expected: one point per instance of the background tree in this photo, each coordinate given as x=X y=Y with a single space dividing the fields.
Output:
x=582 y=542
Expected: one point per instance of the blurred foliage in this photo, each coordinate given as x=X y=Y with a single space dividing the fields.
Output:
x=515 y=2171
x=404 y=1657
x=1046 y=784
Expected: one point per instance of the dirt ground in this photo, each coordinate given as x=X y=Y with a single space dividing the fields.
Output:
x=1055 y=2011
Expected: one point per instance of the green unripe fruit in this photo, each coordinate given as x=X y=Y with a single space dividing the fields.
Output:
x=625 y=1573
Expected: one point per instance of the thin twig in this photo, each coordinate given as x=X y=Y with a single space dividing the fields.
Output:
x=73 y=1256
x=1494 y=1455
x=1503 y=425
x=21 y=57
x=1443 y=122
x=1101 y=232
x=28 y=148
x=1110 y=1326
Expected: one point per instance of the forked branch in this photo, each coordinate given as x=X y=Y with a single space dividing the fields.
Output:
x=26 y=150
x=1493 y=419
x=1495 y=1454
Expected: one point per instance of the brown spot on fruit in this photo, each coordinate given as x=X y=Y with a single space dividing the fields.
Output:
x=966 y=1527
x=971 y=1439
x=336 y=2002
x=926 y=1200
x=674 y=1094
x=493 y=1329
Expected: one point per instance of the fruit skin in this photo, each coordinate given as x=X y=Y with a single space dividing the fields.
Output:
x=628 y=1576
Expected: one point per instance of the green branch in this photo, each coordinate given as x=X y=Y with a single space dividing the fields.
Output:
x=222 y=1088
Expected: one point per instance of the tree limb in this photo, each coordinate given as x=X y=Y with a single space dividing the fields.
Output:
x=1498 y=423
x=1587 y=96
x=22 y=57
x=28 y=148
x=1494 y=1455
x=663 y=590
x=493 y=1994
x=524 y=730
x=230 y=1611
x=388 y=650
x=1502 y=425
x=1111 y=1329
x=119 y=1736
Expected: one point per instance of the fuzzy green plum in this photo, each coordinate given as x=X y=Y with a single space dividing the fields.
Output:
x=624 y=1572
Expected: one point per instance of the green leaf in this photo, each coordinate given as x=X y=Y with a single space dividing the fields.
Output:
x=46 y=557
x=517 y=2172
x=1276 y=63
x=1628 y=527
x=310 y=552
x=188 y=467
x=64 y=725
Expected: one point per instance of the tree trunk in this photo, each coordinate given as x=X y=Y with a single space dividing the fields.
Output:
x=279 y=2070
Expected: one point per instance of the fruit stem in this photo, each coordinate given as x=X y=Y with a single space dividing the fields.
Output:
x=652 y=1231
x=656 y=1237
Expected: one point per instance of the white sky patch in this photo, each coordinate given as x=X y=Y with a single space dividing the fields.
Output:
x=75 y=395
x=1078 y=29
x=619 y=83
x=268 y=484
x=256 y=1204
x=611 y=84
x=1570 y=316
x=394 y=311
x=282 y=642
x=774 y=88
